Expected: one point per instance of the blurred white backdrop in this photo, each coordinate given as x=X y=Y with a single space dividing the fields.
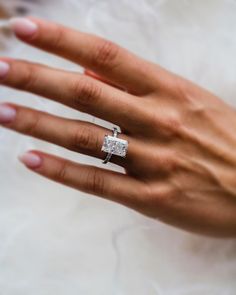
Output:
x=55 y=240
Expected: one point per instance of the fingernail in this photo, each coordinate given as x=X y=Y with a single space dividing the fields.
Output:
x=7 y=114
x=23 y=26
x=4 y=69
x=31 y=160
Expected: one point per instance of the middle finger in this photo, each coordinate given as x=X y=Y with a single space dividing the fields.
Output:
x=74 y=90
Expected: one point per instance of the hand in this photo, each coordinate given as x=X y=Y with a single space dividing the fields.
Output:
x=181 y=161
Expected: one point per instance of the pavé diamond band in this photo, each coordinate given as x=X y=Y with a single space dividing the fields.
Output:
x=112 y=145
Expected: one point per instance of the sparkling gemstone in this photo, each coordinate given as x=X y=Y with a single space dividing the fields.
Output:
x=115 y=146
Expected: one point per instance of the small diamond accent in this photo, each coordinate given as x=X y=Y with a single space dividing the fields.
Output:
x=115 y=146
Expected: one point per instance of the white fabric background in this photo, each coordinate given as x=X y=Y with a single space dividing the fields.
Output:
x=55 y=240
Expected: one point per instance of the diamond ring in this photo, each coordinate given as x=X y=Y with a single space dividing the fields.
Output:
x=112 y=145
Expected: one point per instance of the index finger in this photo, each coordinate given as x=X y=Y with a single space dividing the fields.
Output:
x=102 y=56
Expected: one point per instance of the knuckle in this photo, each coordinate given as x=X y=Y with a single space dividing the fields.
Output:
x=185 y=91
x=174 y=198
x=32 y=128
x=61 y=172
x=172 y=164
x=95 y=182
x=105 y=54
x=85 y=93
x=59 y=37
x=169 y=127
x=84 y=139
x=28 y=79
x=153 y=199
x=167 y=163
x=167 y=197
x=173 y=126
x=162 y=196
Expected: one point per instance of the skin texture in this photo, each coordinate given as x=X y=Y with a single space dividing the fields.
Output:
x=181 y=160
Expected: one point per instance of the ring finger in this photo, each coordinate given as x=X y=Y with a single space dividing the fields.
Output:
x=78 y=136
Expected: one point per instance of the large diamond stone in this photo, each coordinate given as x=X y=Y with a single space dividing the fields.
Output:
x=115 y=146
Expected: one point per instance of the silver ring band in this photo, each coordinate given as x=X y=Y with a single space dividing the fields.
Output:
x=109 y=155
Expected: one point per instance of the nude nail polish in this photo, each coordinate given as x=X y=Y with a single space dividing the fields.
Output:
x=23 y=27
x=31 y=160
x=4 y=68
x=7 y=114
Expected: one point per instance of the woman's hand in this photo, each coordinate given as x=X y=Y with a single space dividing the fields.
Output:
x=181 y=161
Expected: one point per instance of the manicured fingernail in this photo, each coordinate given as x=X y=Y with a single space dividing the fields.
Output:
x=4 y=68
x=31 y=160
x=7 y=113
x=23 y=26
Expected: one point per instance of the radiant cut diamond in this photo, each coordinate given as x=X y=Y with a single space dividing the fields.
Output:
x=115 y=146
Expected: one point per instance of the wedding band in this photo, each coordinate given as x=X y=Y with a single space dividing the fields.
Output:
x=112 y=145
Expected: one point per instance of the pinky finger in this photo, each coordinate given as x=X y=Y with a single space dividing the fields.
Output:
x=108 y=184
